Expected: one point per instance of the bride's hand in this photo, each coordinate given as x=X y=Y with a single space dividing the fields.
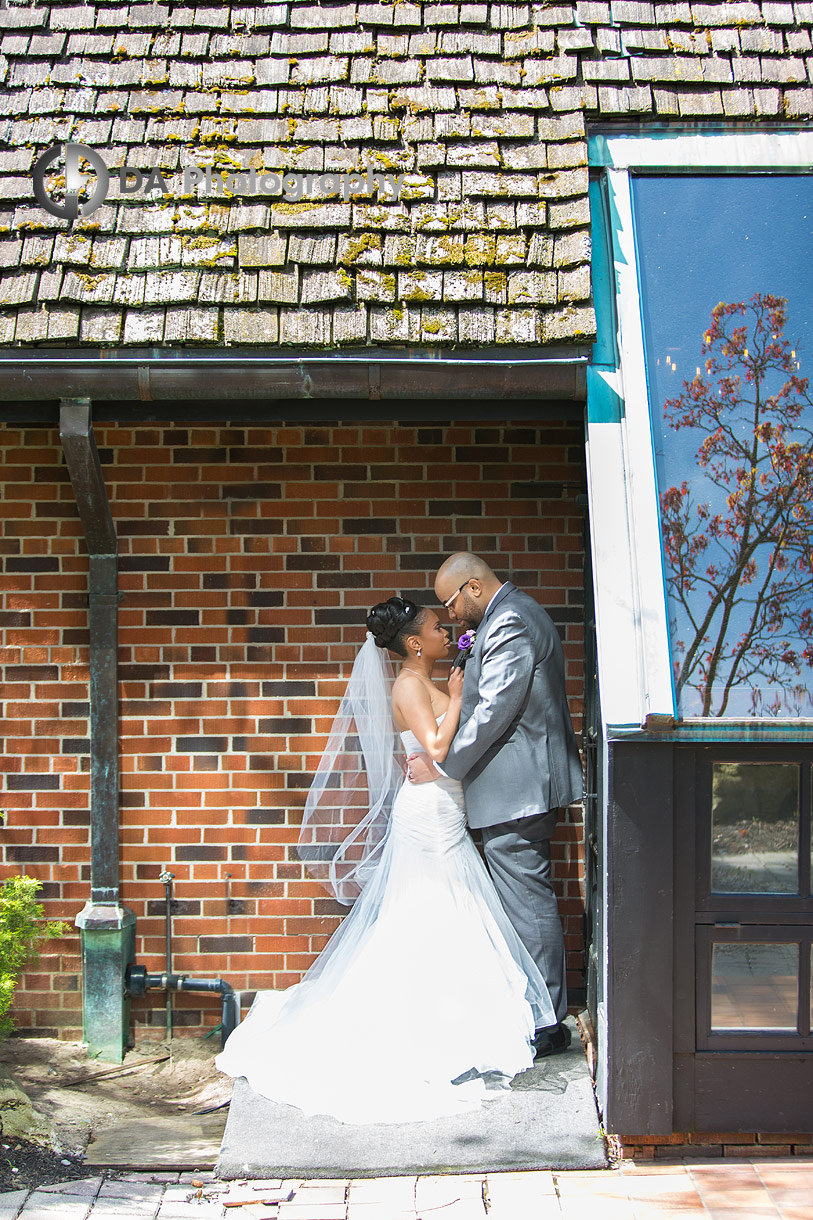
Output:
x=420 y=769
x=456 y=683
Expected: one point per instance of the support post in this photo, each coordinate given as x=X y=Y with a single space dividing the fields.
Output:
x=107 y=928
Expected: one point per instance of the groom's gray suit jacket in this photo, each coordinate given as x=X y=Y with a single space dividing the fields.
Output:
x=515 y=750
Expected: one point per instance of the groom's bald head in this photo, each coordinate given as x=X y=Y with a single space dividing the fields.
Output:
x=480 y=583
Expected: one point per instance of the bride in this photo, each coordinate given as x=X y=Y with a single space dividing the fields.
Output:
x=424 y=997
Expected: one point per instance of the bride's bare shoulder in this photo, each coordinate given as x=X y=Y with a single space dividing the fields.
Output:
x=408 y=687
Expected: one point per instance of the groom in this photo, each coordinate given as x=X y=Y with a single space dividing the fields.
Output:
x=516 y=755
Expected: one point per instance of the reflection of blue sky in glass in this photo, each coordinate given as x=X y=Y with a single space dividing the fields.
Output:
x=706 y=239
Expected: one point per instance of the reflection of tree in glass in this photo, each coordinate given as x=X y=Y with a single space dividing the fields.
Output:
x=747 y=546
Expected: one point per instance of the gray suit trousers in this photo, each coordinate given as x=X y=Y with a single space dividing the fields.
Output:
x=518 y=858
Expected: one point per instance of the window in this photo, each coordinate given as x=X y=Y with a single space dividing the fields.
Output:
x=728 y=317
x=700 y=426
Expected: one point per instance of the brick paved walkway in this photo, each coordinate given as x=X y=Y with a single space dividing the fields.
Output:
x=742 y=1190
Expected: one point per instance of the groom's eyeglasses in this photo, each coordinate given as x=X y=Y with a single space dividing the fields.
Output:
x=447 y=605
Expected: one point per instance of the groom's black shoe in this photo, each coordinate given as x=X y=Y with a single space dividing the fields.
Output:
x=551 y=1041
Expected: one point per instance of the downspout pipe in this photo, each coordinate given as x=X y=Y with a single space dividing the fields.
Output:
x=84 y=467
x=107 y=928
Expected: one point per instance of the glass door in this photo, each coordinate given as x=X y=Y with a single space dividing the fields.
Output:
x=753 y=900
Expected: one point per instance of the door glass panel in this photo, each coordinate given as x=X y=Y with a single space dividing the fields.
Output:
x=754 y=986
x=755 y=828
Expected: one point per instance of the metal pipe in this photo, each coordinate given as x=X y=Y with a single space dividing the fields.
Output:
x=138 y=981
x=167 y=878
x=84 y=468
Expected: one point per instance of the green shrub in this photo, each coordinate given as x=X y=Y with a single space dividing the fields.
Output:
x=21 y=930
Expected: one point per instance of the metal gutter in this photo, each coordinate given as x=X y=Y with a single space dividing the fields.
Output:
x=714 y=731
x=177 y=375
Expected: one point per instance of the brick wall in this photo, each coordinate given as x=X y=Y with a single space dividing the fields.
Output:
x=713 y=1144
x=248 y=559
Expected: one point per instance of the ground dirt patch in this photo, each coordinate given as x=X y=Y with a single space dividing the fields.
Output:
x=82 y=1096
x=26 y=1166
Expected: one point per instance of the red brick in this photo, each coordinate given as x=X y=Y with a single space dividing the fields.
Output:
x=176 y=519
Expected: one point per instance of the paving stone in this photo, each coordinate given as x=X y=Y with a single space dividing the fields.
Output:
x=41 y=1205
x=81 y=1186
x=10 y=1203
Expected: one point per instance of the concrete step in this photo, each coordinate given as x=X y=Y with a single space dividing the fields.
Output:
x=548 y=1120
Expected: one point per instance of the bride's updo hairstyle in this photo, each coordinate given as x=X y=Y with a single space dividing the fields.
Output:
x=390 y=622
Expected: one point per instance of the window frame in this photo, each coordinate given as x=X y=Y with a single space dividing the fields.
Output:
x=632 y=617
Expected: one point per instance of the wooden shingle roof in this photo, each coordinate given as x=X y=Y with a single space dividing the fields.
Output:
x=481 y=107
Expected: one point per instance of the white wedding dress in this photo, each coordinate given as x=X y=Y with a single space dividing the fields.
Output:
x=424 y=982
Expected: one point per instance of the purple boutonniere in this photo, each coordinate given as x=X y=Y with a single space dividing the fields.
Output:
x=466 y=639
